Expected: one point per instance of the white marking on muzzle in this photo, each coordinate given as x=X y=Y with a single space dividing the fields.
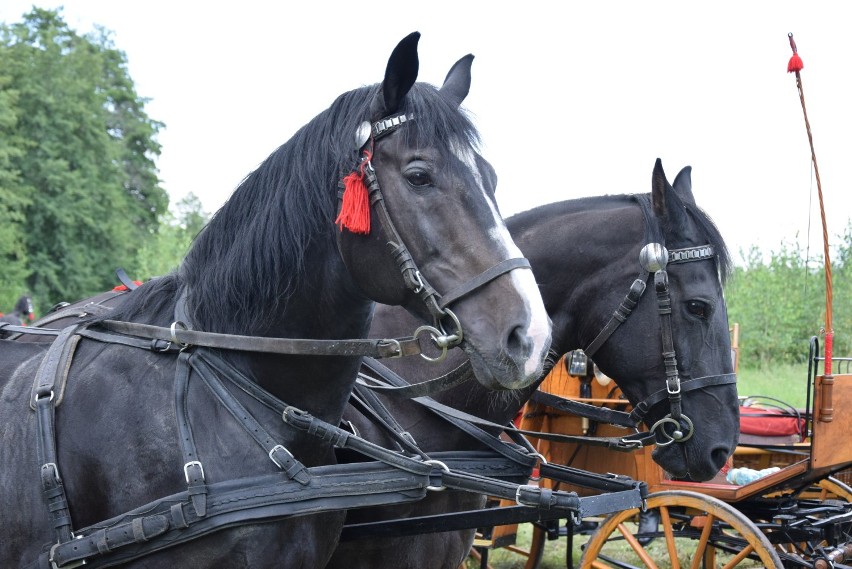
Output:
x=538 y=327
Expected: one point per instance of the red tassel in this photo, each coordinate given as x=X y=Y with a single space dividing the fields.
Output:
x=355 y=210
x=795 y=64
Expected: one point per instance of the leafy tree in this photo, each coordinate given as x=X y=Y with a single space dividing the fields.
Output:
x=177 y=229
x=85 y=170
x=780 y=303
x=13 y=259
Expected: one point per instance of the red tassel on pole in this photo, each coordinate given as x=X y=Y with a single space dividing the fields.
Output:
x=355 y=210
x=795 y=64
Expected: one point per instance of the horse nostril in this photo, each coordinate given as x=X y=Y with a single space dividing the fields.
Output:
x=519 y=345
x=719 y=456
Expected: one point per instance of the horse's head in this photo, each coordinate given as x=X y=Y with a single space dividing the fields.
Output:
x=672 y=355
x=434 y=240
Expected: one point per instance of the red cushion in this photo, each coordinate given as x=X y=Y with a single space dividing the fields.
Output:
x=769 y=422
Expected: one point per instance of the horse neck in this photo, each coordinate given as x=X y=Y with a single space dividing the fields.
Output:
x=585 y=255
x=325 y=304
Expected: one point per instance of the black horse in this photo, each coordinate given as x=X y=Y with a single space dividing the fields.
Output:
x=139 y=443
x=585 y=254
x=23 y=312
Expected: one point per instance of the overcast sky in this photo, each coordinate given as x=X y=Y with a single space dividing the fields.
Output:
x=572 y=99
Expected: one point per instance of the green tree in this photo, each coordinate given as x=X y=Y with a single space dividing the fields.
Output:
x=778 y=304
x=176 y=231
x=86 y=167
x=13 y=202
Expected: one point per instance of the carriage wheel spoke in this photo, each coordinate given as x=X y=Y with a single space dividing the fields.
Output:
x=702 y=541
x=637 y=547
x=599 y=565
x=747 y=550
x=670 y=539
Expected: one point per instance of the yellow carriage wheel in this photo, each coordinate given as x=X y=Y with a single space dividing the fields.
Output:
x=695 y=531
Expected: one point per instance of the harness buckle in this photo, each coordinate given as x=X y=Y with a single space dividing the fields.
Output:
x=189 y=464
x=676 y=383
x=277 y=448
x=71 y=565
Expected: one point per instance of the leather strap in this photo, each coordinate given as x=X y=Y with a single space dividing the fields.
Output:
x=279 y=454
x=52 y=367
x=193 y=470
x=580 y=409
x=172 y=520
x=380 y=373
x=483 y=278
x=373 y=348
x=642 y=408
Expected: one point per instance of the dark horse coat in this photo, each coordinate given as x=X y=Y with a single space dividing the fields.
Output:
x=145 y=444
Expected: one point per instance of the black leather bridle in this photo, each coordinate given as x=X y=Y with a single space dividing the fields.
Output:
x=436 y=303
x=653 y=259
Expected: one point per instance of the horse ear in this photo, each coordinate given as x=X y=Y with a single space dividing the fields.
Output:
x=457 y=84
x=400 y=75
x=683 y=185
x=659 y=187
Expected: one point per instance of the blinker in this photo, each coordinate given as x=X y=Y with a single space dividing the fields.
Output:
x=653 y=257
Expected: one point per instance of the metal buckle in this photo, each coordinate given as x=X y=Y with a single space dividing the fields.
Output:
x=277 y=448
x=71 y=565
x=192 y=463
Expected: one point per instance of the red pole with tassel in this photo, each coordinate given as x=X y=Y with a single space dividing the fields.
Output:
x=826 y=411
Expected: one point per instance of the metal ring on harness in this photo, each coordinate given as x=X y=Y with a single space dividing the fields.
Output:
x=677 y=435
x=440 y=339
x=173 y=329
x=443 y=467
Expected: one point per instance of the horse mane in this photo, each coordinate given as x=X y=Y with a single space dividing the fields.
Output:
x=702 y=220
x=251 y=257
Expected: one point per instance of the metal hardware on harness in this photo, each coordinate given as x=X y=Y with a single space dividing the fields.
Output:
x=653 y=257
x=173 y=329
x=677 y=435
x=189 y=464
x=283 y=449
x=388 y=125
x=443 y=467
x=691 y=254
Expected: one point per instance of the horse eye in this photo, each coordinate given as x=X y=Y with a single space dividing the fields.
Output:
x=698 y=308
x=418 y=178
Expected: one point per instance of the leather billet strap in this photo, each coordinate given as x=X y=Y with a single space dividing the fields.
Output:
x=384 y=348
x=51 y=372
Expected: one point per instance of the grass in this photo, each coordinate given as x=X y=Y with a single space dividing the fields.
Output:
x=786 y=382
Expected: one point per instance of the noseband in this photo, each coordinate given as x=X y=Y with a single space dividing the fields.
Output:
x=415 y=281
x=653 y=259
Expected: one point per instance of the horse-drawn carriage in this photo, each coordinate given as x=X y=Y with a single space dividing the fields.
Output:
x=130 y=437
x=796 y=514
